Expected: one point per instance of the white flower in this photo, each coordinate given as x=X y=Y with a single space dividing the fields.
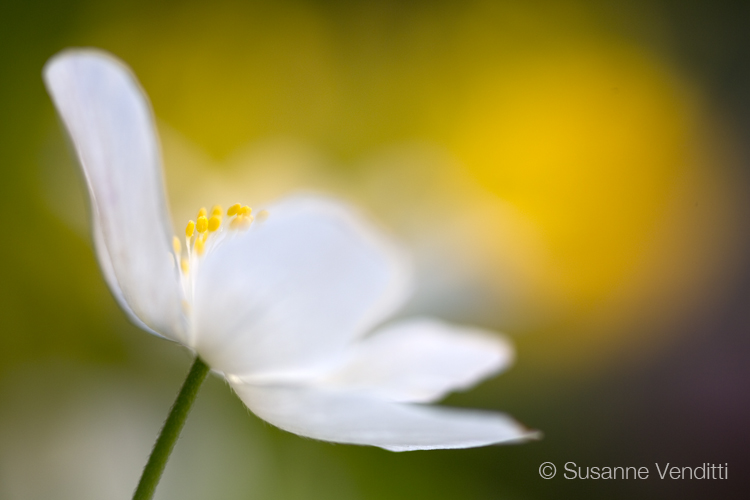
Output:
x=287 y=308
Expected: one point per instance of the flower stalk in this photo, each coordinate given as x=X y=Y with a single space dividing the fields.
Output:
x=171 y=431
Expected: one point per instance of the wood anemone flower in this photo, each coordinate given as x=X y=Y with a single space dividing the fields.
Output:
x=287 y=304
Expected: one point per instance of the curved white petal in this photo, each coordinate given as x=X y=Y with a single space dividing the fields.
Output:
x=420 y=360
x=356 y=419
x=287 y=296
x=110 y=123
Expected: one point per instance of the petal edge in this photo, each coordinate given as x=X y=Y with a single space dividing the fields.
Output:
x=420 y=360
x=353 y=419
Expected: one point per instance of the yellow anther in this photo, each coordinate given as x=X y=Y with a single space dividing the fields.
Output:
x=200 y=246
x=241 y=222
x=234 y=209
x=245 y=210
x=214 y=223
x=202 y=224
x=217 y=211
x=189 y=229
x=262 y=215
x=185 y=266
x=202 y=212
x=176 y=246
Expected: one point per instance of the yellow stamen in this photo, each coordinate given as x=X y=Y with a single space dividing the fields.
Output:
x=214 y=223
x=185 y=266
x=204 y=236
x=202 y=212
x=241 y=222
x=245 y=210
x=234 y=209
x=217 y=211
x=199 y=246
x=262 y=215
x=189 y=229
x=176 y=246
x=202 y=224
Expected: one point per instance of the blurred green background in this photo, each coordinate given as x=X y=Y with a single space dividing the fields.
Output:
x=574 y=174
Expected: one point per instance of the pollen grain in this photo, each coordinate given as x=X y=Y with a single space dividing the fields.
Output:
x=213 y=223
x=202 y=224
x=234 y=209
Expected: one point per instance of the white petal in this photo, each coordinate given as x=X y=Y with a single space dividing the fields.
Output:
x=110 y=123
x=288 y=295
x=421 y=360
x=105 y=264
x=355 y=419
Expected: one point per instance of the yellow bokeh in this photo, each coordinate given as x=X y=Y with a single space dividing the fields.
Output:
x=587 y=142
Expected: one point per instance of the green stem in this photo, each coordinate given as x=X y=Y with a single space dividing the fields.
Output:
x=171 y=431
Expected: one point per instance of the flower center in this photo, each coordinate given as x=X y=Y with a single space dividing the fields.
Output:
x=207 y=231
